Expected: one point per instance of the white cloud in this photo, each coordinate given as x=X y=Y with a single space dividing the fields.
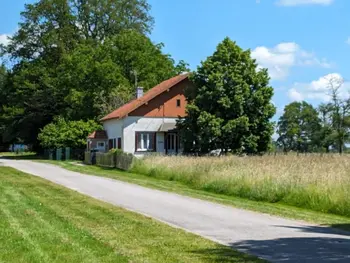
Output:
x=295 y=95
x=319 y=89
x=304 y=2
x=4 y=39
x=281 y=58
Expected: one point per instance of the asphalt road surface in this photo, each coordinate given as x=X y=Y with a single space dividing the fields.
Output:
x=272 y=238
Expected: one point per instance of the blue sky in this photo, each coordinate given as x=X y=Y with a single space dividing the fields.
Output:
x=304 y=43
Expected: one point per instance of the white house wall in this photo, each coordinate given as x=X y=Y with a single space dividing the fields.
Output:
x=143 y=124
x=114 y=128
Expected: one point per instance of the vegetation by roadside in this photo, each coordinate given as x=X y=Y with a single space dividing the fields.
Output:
x=164 y=184
x=43 y=222
x=19 y=155
x=315 y=182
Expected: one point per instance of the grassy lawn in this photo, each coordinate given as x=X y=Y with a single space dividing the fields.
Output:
x=278 y=209
x=43 y=222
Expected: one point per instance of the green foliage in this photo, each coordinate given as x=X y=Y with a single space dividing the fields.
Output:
x=303 y=128
x=230 y=105
x=62 y=133
x=3 y=99
x=299 y=127
x=74 y=60
x=51 y=28
x=66 y=226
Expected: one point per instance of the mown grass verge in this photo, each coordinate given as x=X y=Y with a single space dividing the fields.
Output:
x=43 y=222
x=278 y=209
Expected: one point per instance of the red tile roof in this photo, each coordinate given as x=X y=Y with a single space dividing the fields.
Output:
x=102 y=135
x=151 y=94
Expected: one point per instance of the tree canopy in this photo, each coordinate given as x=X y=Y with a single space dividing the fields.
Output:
x=230 y=104
x=299 y=127
x=62 y=133
x=76 y=59
x=304 y=128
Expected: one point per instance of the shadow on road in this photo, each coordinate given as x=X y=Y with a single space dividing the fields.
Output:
x=332 y=245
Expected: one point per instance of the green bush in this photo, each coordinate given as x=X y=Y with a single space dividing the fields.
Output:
x=62 y=133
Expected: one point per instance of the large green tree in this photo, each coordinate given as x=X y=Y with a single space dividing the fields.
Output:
x=100 y=76
x=51 y=28
x=77 y=59
x=230 y=104
x=3 y=99
x=299 y=127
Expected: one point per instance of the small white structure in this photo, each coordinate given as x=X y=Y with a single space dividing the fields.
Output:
x=147 y=124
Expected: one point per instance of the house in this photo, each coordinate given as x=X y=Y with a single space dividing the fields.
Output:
x=97 y=140
x=147 y=123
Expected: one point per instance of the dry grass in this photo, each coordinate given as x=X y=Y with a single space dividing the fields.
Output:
x=321 y=183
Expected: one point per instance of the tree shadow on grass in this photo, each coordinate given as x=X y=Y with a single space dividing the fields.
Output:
x=320 y=245
x=22 y=157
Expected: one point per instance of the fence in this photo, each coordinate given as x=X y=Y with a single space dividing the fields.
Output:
x=64 y=154
x=119 y=160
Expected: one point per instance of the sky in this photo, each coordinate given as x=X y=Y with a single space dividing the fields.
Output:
x=303 y=43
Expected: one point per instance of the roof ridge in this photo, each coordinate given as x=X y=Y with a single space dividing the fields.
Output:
x=149 y=95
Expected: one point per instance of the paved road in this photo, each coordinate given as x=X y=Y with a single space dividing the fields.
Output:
x=269 y=237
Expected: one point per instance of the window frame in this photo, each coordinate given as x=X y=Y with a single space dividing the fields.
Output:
x=149 y=135
x=101 y=142
x=178 y=103
x=119 y=143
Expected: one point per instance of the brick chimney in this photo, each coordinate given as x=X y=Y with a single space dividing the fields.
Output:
x=139 y=92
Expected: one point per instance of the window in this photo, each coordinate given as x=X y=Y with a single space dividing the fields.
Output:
x=145 y=141
x=100 y=144
x=119 y=143
x=178 y=103
x=110 y=144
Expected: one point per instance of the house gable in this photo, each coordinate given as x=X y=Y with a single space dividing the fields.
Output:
x=169 y=104
x=156 y=100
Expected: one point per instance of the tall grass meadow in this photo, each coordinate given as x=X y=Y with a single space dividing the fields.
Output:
x=317 y=182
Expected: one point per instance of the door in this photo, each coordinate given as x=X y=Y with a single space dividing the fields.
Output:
x=171 y=143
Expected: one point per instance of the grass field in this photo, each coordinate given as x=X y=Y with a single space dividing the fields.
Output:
x=278 y=209
x=43 y=222
x=315 y=182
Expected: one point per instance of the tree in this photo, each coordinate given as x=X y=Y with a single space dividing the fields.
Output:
x=3 y=98
x=70 y=53
x=340 y=109
x=298 y=127
x=230 y=105
x=326 y=135
x=101 y=19
x=104 y=74
x=62 y=133
x=52 y=28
